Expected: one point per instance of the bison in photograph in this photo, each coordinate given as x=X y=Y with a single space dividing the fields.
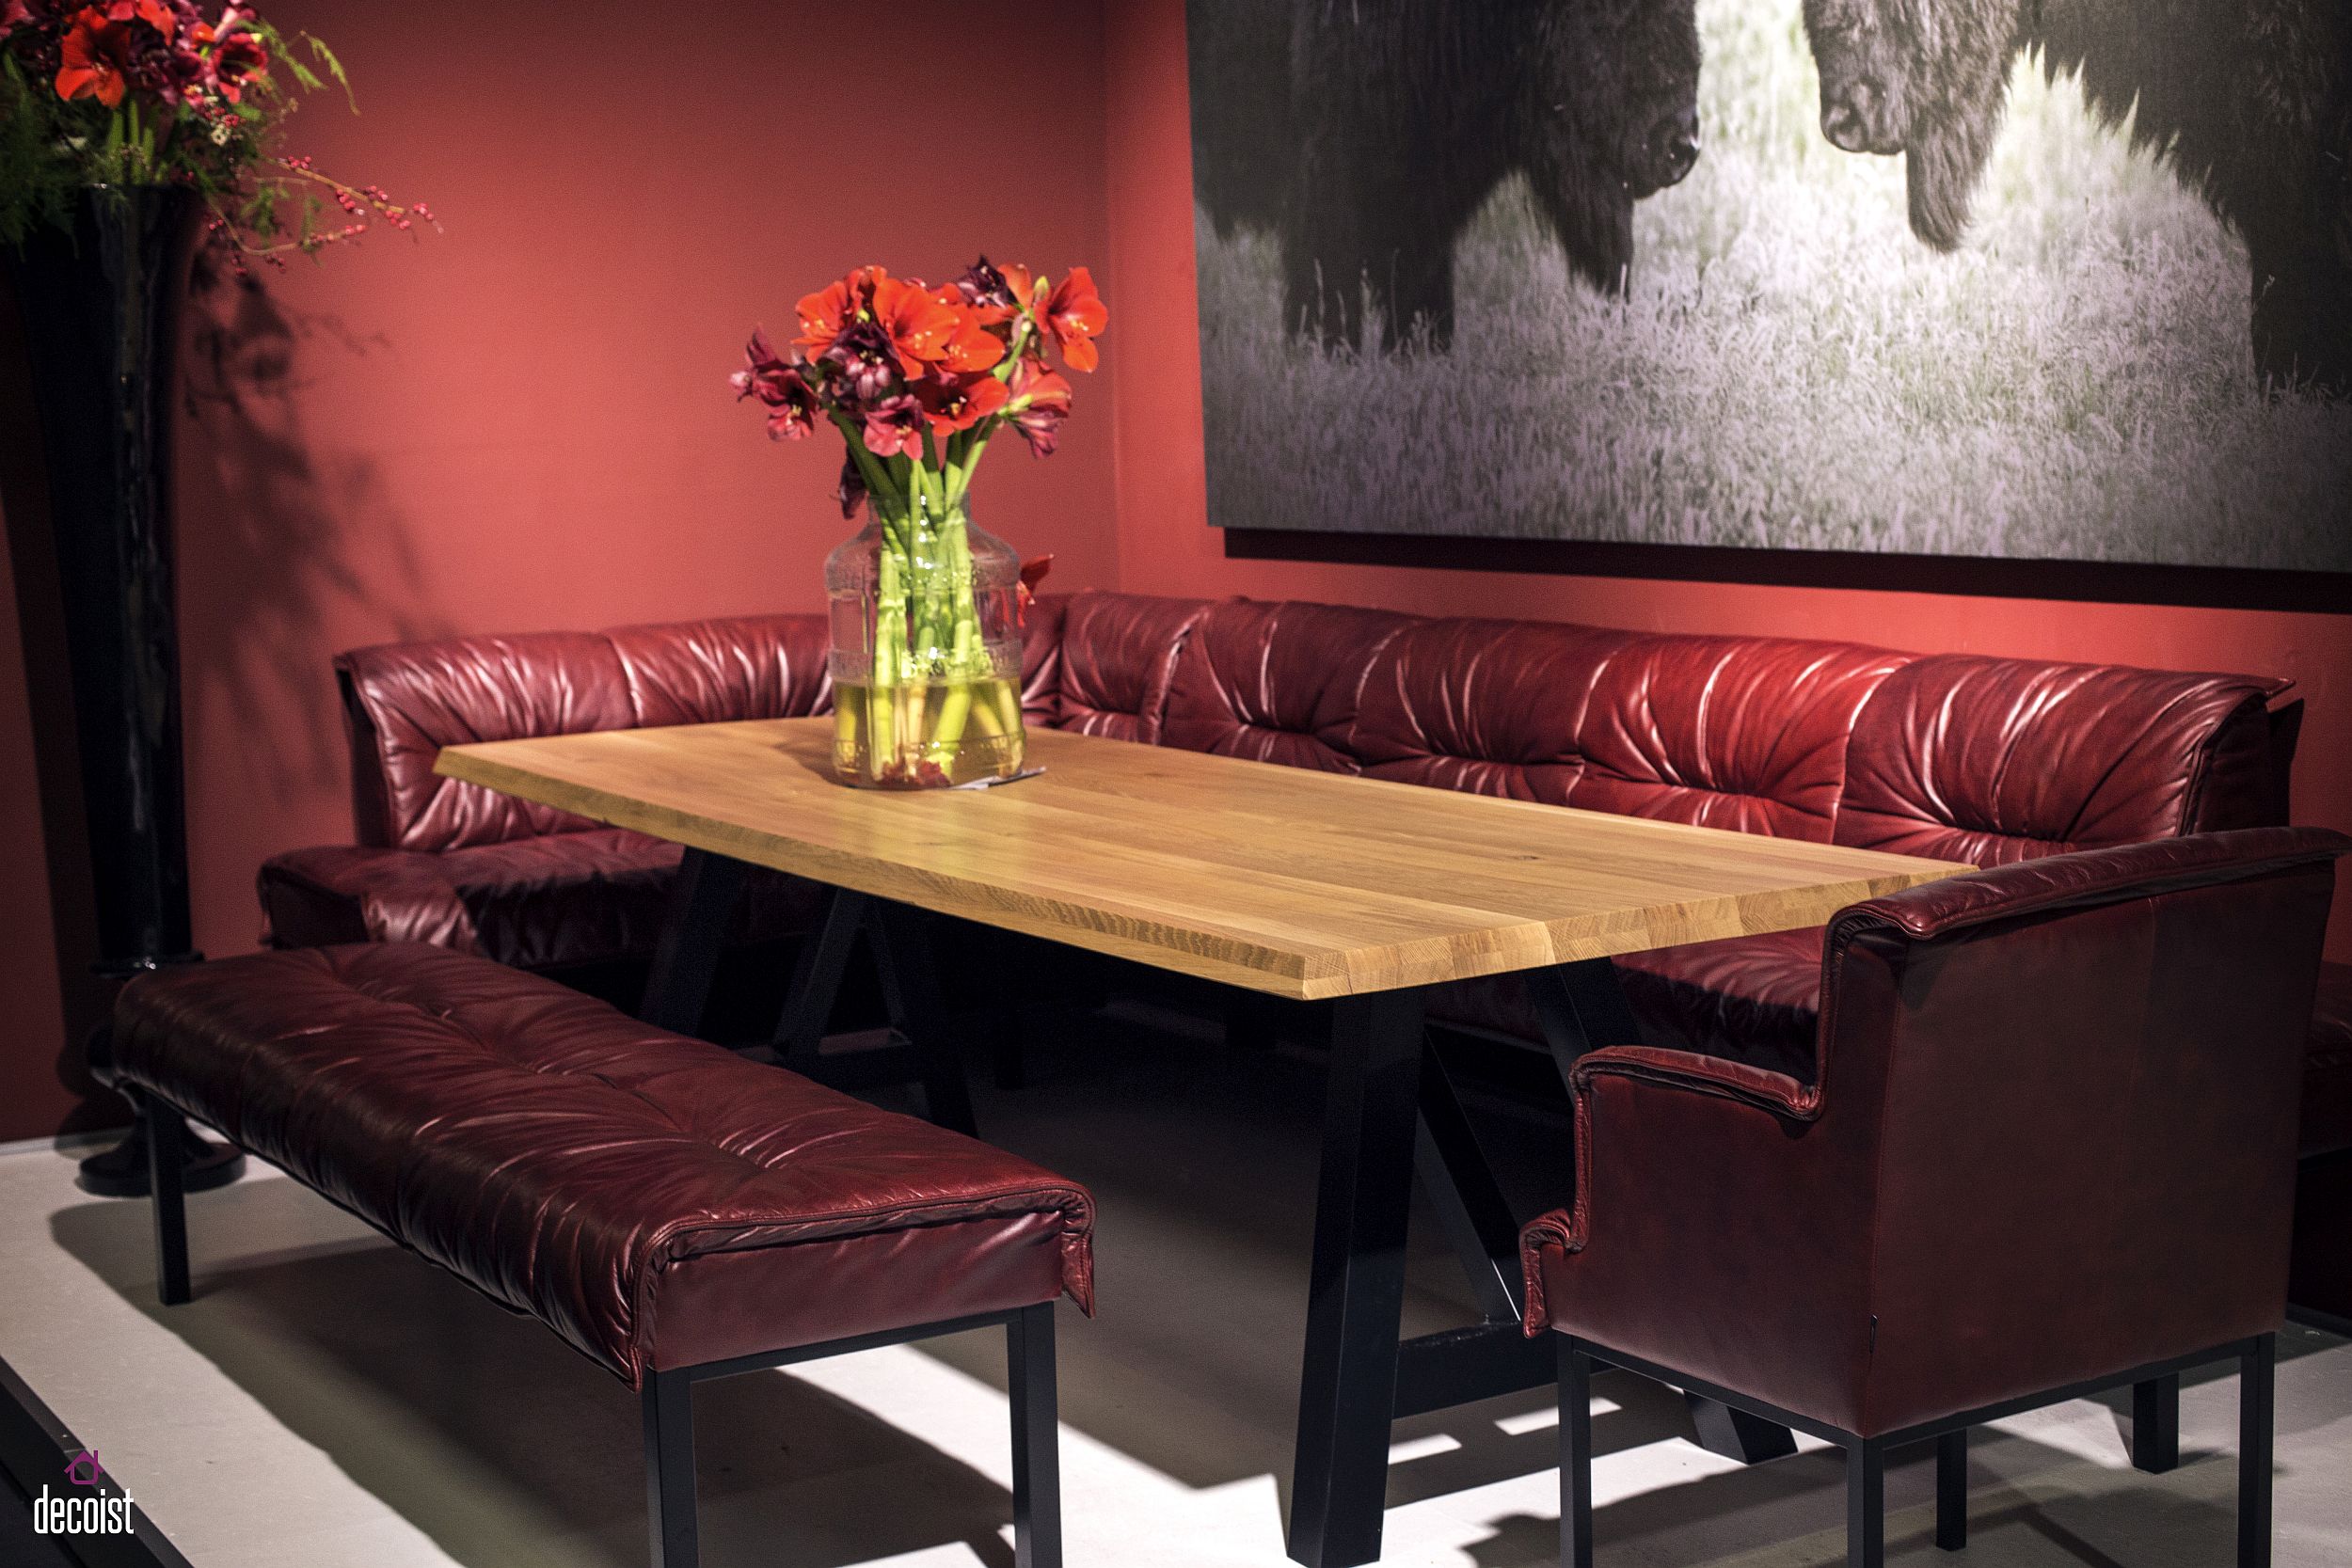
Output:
x=2249 y=100
x=1367 y=133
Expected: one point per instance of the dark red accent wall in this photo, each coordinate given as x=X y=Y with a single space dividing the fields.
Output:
x=1166 y=546
x=523 y=422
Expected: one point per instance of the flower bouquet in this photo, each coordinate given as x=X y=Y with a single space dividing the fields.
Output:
x=926 y=607
x=117 y=95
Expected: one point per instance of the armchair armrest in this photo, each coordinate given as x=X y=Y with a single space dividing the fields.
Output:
x=1694 y=1073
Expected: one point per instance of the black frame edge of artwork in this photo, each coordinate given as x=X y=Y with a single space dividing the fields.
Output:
x=1982 y=576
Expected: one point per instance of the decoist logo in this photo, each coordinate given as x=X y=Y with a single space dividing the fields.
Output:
x=92 y=1514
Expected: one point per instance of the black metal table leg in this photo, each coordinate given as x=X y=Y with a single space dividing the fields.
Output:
x=1581 y=1006
x=2156 y=1424
x=824 y=958
x=1461 y=1186
x=687 y=955
x=902 y=955
x=1347 y=1384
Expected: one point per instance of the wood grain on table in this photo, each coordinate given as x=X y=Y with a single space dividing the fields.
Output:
x=1280 y=879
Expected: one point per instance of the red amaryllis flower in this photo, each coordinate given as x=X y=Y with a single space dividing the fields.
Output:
x=237 y=58
x=862 y=363
x=93 y=58
x=988 y=294
x=895 y=426
x=831 y=311
x=1040 y=400
x=784 y=388
x=13 y=14
x=972 y=347
x=1074 y=317
x=919 y=323
x=959 y=402
x=153 y=12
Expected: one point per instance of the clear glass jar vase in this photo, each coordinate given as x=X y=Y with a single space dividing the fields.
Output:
x=926 y=650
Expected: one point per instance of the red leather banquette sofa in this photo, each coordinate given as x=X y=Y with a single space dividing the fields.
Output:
x=1956 y=756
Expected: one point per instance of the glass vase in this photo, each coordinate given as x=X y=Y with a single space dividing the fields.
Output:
x=926 y=650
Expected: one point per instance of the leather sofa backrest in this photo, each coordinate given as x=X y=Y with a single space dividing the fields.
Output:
x=1746 y=733
x=1276 y=682
x=1492 y=707
x=1961 y=758
x=403 y=702
x=1118 y=656
x=2068 y=1089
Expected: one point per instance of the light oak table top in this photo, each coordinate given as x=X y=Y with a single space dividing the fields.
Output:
x=1279 y=880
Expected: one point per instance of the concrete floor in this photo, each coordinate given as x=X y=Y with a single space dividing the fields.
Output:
x=329 y=1402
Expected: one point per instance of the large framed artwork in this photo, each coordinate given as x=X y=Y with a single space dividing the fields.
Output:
x=2036 y=279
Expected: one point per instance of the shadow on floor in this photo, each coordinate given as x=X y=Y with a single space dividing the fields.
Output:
x=355 y=1349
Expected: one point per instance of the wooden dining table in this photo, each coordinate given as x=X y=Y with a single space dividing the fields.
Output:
x=1276 y=881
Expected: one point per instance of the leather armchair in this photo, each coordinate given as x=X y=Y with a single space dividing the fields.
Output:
x=2049 y=1145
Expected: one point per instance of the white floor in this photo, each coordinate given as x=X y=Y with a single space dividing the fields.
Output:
x=329 y=1402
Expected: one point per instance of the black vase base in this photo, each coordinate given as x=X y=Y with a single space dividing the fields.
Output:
x=122 y=1171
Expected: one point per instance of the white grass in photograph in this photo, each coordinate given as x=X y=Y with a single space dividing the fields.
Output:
x=1792 y=369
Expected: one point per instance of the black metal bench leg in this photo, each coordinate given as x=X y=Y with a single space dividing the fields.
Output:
x=1951 y=1490
x=166 y=1133
x=1576 y=1456
x=669 y=1401
x=2257 y=1395
x=1036 y=1439
x=1866 y=1504
x=2156 y=1424
x=1347 y=1384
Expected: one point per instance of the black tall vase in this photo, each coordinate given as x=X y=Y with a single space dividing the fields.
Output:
x=101 y=307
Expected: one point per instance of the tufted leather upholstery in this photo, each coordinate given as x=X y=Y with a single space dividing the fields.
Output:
x=1118 y=656
x=2052 y=1139
x=1491 y=707
x=1989 y=760
x=1748 y=734
x=552 y=902
x=1276 y=682
x=658 y=1201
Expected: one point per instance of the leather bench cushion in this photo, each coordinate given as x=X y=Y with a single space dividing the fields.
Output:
x=1746 y=733
x=1491 y=707
x=535 y=903
x=1992 y=760
x=1276 y=682
x=403 y=702
x=1118 y=655
x=658 y=1202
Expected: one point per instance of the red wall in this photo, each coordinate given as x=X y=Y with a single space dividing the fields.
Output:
x=523 y=421
x=1166 y=546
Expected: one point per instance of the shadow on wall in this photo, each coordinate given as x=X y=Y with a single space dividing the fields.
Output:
x=267 y=566
x=274 y=520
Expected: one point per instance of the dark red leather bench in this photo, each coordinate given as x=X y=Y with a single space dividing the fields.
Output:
x=674 y=1211
x=1957 y=755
